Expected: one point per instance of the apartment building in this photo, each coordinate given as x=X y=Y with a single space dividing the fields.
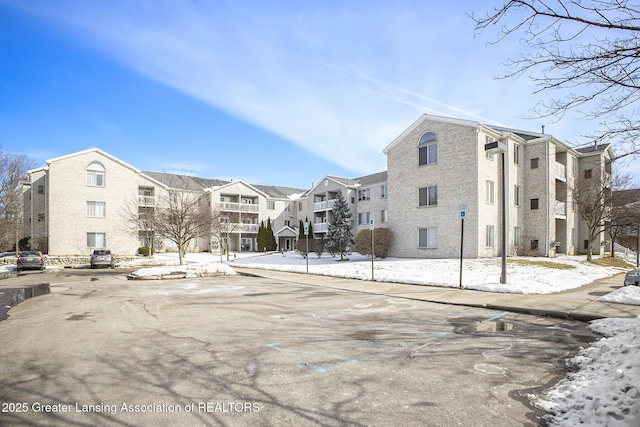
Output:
x=366 y=197
x=435 y=168
x=84 y=200
x=439 y=166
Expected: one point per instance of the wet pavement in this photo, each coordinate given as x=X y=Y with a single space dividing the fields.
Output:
x=235 y=351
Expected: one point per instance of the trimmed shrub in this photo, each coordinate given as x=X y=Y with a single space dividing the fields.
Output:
x=145 y=250
x=383 y=238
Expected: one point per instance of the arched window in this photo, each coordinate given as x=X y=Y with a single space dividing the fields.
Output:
x=427 y=149
x=96 y=174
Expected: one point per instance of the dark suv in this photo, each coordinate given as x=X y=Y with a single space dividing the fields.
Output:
x=102 y=257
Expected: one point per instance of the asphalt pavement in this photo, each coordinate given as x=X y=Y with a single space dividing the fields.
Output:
x=578 y=304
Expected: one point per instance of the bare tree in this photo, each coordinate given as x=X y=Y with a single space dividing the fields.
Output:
x=595 y=196
x=224 y=224
x=623 y=216
x=13 y=168
x=139 y=218
x=597 y=71
x=180 y=216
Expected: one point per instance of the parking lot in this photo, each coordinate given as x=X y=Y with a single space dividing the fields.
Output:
x=239 y=350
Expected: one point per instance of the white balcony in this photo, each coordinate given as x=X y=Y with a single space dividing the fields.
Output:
x=146 y=201
x=561 y=208
x=236 y=227
x=239 y=207
x=324 y=205
x=561 y=172
x=320 y=227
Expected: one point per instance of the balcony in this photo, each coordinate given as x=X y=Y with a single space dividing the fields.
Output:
x=147 y=201
x=325 y=205
x=320 y=227
x=561 y=172
x=235 y=227
x=239 y=207
x=561 y=208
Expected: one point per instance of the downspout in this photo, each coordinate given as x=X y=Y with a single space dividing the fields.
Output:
x=548 y=242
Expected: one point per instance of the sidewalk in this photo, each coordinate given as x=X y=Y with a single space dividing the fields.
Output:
x=579 y=304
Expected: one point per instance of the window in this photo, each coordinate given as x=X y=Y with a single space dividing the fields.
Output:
x=427 y=149
x=534 y=163
x=516 y=154
x=534 y=203
x=96 y=174
x=287 y=223
x=428 y=238
x=271 y=205
x=40 y=189
x=363 y=218
x=384 y=191
x=586 y=244
x=364 y=194
x=488 y=154
x=574 y=165
x=490 y=241
x=517 y=236
x=534 y=245
x=588 y=174
x=288 y=207
x=516 y=195
x=428 y=196
x=96 y=209
x=490 y=192
x=383 y=216
x=96 y=240
x=40 y=217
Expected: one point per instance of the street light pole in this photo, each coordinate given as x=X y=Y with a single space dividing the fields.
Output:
x=503 y=274
x=501 y=147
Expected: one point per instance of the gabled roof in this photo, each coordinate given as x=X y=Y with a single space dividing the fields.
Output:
x=278 y=192
x=373 y=178
x=424 y=117
x=93 y=150
x=593 y=148
x=287 y=231
x=187 y=182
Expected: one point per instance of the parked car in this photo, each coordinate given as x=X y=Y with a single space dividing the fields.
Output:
x=632 y=277
x=30 y=260
x=102 y=257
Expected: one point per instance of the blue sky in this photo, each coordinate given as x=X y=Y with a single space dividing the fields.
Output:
x=272 y=92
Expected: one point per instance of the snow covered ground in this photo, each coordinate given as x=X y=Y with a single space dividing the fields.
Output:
x=602 y=390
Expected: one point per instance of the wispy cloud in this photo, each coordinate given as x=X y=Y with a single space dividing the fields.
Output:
x=340 y=80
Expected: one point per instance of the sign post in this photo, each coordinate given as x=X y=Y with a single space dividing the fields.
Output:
x=306 y=233
x=372 y=245
x=463 y=213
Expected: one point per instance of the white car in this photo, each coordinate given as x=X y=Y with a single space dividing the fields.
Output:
x=632 y=277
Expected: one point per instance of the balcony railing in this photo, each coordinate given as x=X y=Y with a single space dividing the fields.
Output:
x=561 y=171
x=324 y=205
x=320 y=227
x=235 y=227
x=561 y=208
x=239 y=207
x=146 y=201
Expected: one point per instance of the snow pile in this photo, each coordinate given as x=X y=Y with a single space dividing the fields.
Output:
x=624 y=295
x=605 y=389
x=523 y=277
x=188 y=270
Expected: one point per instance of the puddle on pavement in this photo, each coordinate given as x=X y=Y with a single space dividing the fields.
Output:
x=12 y=297
x=494 y=326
